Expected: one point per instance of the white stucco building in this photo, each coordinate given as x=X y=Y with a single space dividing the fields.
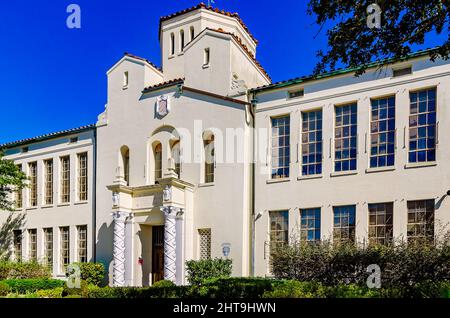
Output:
x=206 y=157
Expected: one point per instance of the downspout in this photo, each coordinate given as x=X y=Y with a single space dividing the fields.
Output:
x=94 y=199
x=252 y=108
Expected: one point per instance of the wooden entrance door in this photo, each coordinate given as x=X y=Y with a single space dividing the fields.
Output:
x=157 y=253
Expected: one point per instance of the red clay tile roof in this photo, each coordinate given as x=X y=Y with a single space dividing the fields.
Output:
x=163 y=85
x=204 y=6
x=244 y=47
x=143 y=59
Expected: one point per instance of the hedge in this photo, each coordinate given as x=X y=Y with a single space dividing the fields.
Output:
x=198 y=271
x=25 y=270
x=92 y=273
x=23 y=286
x=402 y=265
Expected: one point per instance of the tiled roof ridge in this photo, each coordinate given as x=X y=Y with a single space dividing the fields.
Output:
x=216 y=10
x=143 y=59
x=46 y=136
x=164 y=84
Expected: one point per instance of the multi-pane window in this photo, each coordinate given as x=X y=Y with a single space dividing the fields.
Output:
x=32 y=245
x=344 y=224
x=420 y=220
x=279 y=228
x=210 y=159
x=82 y=177
x=48 y=247
x=205 y=243
x=65 y=179
x=310 y=225
x=345 y=144
x=17 y=238
x=312 y=143
x=18 y=194
x=280 y=147
x=82 y=243
x=32 y=167
x=64 y=248
x=158 y=161
x=382 y=132
x=422 y=126
x=48 y=182
x=380 y=223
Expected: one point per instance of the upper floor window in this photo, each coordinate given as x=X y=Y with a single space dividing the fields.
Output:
x=65 y=179
x=345 y=138
x=344 y=224
x=422 y=126
x=125 y=79
x=382 y=132
x=310 y=225
x=206 y=57
x=192 y=33
x=279 y=229
x=281 y=147
x=420 y=221
x=172 y=44
x=297 y=93
x=182 y=41
x=158 y=161
x=210 y=160
x=402 y=71
x=176 y=156
x=312 y=143
x=48 y=182
x=380 y=223
x=125 y=153
x=82 y=177
x=33 y=183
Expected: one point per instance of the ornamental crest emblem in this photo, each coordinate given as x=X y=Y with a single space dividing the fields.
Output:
x=162 y=106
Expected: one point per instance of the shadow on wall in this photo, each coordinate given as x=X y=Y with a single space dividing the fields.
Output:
x=104 y=249
x=14 y=221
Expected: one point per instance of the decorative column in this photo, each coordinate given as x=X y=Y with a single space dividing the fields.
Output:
x=170 y=242
x=120 y=219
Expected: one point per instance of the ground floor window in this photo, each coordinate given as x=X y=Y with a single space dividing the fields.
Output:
x=17 y=237
x=310 y=225
x=380 y=223
x=32 y=245
x=82 y=243
x=205 y=243
x=48 y=247
x=64 y=248
x=344 y=224
x=279 y=229
x=420 y=220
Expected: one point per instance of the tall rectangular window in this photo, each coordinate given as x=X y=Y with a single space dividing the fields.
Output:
x=210 y=160
x=380 y=223
x=345 y=145
x=48 y=182
x=65 y=179
x=48 y=247
x=64 y=248
x=205 y=243
x=32 y=245
x=82 y=177
x=33 y=183
x=421 y=221
x=312 y=143
x=279 y=229
x=17 y=237
x=281 y=134
x=344 y=224
x=18 y=194
x=310 y=225
x=82 y=243
x=382 y=132
x=422 y=126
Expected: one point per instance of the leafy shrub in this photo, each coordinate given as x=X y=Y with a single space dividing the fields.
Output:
x=164 y=283
x=403 y=266
x=147 y=292
x=23 y=286
x=4 y=289
x=233 y=288
x=296 y=289
x=25 y=270
x=83 y=290
x=92 y=273
x=198 y=271
x=50 y=293
x=73 y=296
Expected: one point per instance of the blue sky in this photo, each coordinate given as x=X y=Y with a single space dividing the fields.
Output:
x=54 y=78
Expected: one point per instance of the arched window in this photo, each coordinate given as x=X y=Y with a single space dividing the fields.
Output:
x=181 y=40
x=172 y=44
x=192 y=33
x=125 y=164
x=176 y=156
x=209 y=159
x=158 y=161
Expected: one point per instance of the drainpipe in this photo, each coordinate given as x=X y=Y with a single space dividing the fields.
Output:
x=94 y=198
x=252 y=109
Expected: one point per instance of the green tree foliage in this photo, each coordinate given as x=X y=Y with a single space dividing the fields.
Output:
x=404 y=23
x=11 y=180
